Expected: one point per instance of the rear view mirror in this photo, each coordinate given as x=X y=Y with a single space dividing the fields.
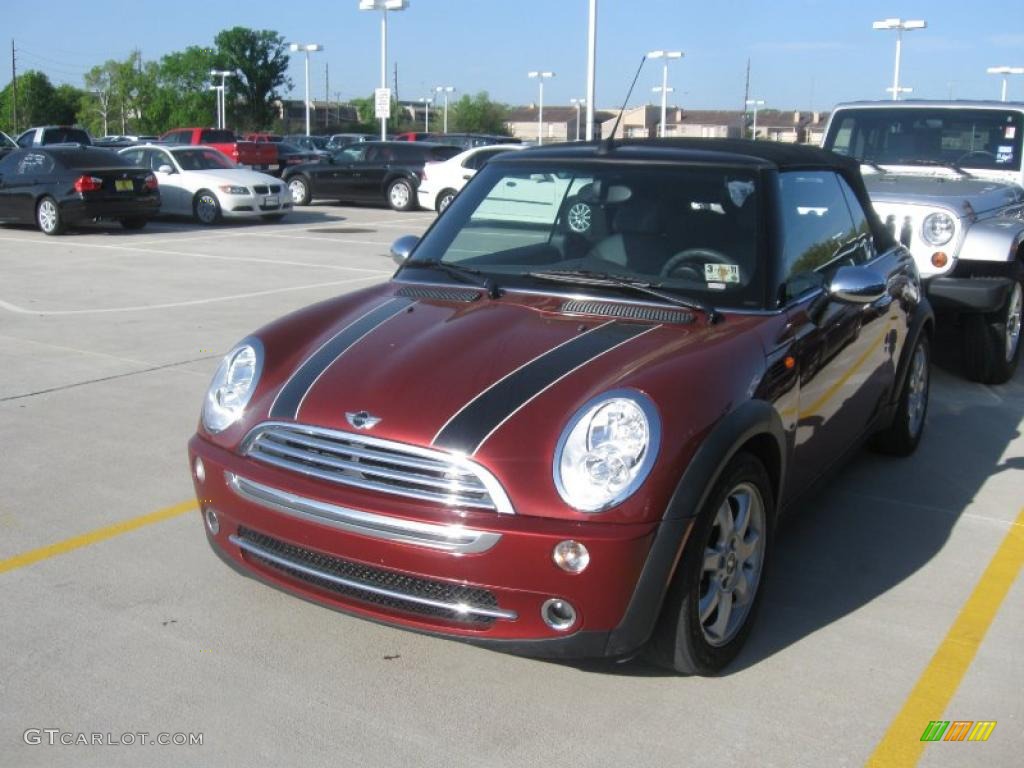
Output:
x=856 y=285
x=402 y=247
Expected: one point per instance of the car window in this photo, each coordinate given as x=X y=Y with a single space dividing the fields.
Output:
x=34 y=164
x=818 y=231
x=157 y=158
x=25 y=140
x=198 y=159
x=861 y=225
x=65 y=135
x=350 y=154
x=437 y=154
x=135 y=157
x=89 y=158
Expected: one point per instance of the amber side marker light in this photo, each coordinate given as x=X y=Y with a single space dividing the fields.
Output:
x=940 y=259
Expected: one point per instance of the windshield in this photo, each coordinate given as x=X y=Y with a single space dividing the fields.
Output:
x=691 y=230
x=984 y=139
x=202 y=160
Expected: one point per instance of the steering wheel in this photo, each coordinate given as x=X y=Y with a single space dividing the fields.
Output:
x=973 y=152
x=688 y=261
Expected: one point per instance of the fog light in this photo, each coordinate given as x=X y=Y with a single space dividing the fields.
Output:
x=571 y=556
x=940 y=259
x=212 y=521
x=558 y=614
x=200 y=470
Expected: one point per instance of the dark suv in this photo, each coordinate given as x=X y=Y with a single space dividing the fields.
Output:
x=370 y=172
x=54 y=134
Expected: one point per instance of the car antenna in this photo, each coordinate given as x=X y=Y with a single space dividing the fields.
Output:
x=608 y=144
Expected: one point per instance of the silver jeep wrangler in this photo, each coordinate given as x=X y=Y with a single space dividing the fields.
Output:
x=946 y=177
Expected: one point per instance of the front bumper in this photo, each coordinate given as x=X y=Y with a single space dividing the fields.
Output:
x=968 y=294
x=253 y=204
x=427 y=198
x=500 y=584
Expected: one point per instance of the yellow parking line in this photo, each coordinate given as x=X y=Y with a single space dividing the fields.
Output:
x=100 y=534
x=902 y=746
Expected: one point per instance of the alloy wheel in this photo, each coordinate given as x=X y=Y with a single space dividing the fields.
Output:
x=917 y=390
x=206 y=209
x=48 y=216
x=579 y=217
x=297 y=187
x=1013 y=317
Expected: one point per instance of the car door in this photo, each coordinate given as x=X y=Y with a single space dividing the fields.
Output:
x=8 y=186
x=369 y=175
x=29 y=175
x=337 y=178
x=846 y=351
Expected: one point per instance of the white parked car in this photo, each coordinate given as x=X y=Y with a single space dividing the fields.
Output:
x=442 y=181
x=204 y=183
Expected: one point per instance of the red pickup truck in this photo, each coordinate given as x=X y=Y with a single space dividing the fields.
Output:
x=262 y=156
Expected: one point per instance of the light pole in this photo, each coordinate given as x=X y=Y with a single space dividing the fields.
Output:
x=755 y=103
x=577 y=103
x=1005 y=71
x=445 y=89
x=591 y=67
x=383 y=6
x=216 y=89
x=222 y=104
x=665 y=90
x=903 y=89
x=541 y=77
x=900 y=25
x=426 y=120
x=306 y=48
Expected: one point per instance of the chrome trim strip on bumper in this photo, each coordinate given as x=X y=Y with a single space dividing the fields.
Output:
x=459 y=608
x=447 y=538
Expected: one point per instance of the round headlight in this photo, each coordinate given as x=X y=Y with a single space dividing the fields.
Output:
x=606 y=450
x=232 y=385
x=938 y=228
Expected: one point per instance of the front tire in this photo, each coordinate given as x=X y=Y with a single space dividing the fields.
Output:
x=902 y=436
x=992 y=342
x=401 y=196
x=48 y=217
x=206 y=207
x=298 y=186
x=444 y=200
x=711 y=604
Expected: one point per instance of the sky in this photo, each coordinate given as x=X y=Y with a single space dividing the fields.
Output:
x=804 y=54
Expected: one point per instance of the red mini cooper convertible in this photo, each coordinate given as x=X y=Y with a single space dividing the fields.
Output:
x=569 y=423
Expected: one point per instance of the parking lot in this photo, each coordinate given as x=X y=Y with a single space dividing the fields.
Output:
x=117 y=618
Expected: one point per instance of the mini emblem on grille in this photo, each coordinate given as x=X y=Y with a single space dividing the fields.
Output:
x=362 y=420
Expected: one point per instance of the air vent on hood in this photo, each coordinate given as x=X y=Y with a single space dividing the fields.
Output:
x=440 y=294
x=630 y=311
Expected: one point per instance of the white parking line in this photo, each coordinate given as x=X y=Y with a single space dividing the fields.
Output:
x=335 y=241
x=171 y=305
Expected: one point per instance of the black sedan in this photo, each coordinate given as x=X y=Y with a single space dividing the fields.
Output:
x=370 y=171
x=55 y=187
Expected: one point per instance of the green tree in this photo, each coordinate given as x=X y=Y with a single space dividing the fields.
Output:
x=98 y=101
x=39 y=103
x=260 y=59
x=176 y=92
x=478 y=114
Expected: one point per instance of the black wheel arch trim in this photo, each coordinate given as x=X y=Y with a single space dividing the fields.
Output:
x=924 y=319
x=752 y=419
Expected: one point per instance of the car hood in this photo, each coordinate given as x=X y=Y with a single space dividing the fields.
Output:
x=239 y=176
x=495 y=380
x=956 y=193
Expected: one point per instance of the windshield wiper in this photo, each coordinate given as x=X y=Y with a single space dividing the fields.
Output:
x=939 y=164
x=589 y=277
x=462 y=274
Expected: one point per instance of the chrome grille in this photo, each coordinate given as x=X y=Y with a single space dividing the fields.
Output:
x=260 y=189
x=376 y=465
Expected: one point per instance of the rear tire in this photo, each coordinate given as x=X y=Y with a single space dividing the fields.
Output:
x=444 y=199
x=298 y=186
x=992 y=342
x=401 y=196
x=711 y=604
x=48 y=217
x=206 y=207
x=902 y=436
x=134 y=223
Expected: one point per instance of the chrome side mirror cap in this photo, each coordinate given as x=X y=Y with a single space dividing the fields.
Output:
x=857 y=285
x=402 y=247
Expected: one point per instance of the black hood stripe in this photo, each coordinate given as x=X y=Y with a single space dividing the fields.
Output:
x=480 y=417
x=289 y=399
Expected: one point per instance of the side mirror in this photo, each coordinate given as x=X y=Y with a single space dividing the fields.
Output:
x=402 y=247
x=165 y=169
x=856 y=285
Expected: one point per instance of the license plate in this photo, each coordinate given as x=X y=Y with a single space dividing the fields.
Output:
x=271 y=200
x=123 y=185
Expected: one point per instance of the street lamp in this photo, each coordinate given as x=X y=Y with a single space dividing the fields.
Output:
x=426 y=120
x=445 y=89
x=222 y=105
x=541 y=77
x=307 y=49
x=591 y=66
x=383 y=6
x=1004 y=71
x=755 y=103
x=900 y=26
x=577 y=103
x=665 y=90
x=903 y=89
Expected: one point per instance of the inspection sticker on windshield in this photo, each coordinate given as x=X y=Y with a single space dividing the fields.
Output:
x=721 y=273
x=1004 y=154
